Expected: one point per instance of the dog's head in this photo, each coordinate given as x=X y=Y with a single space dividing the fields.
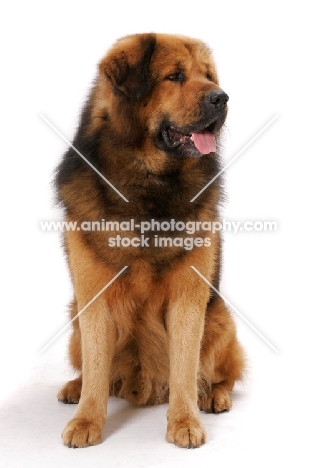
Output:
x=163 y=91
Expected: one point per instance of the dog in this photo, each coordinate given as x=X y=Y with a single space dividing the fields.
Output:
x=146 y=326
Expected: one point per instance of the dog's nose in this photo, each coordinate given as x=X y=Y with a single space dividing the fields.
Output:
x=218 y=99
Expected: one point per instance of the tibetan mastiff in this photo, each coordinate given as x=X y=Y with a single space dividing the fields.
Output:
x=147 y=322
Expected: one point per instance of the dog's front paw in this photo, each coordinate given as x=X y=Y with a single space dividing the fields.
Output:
x=82 y=432
x=187 y=432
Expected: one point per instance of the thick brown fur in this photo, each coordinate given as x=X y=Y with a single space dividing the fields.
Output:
x=158 y=333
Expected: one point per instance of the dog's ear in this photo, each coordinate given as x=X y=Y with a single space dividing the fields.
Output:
x=127 y=65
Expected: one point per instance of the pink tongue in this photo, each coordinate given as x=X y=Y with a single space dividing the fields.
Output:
x=205 y=142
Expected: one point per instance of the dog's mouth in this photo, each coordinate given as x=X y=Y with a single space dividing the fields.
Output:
x=203 y=141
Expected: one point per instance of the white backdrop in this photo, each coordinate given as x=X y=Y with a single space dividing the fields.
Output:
x=49 y=57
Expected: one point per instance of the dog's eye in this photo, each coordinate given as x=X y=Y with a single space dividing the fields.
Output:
x=209 y=77
x=179 y=76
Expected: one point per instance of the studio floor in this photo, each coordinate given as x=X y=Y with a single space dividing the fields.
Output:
x=260 y=429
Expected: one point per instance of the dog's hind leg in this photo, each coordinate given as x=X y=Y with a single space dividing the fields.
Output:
x=221 y=360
